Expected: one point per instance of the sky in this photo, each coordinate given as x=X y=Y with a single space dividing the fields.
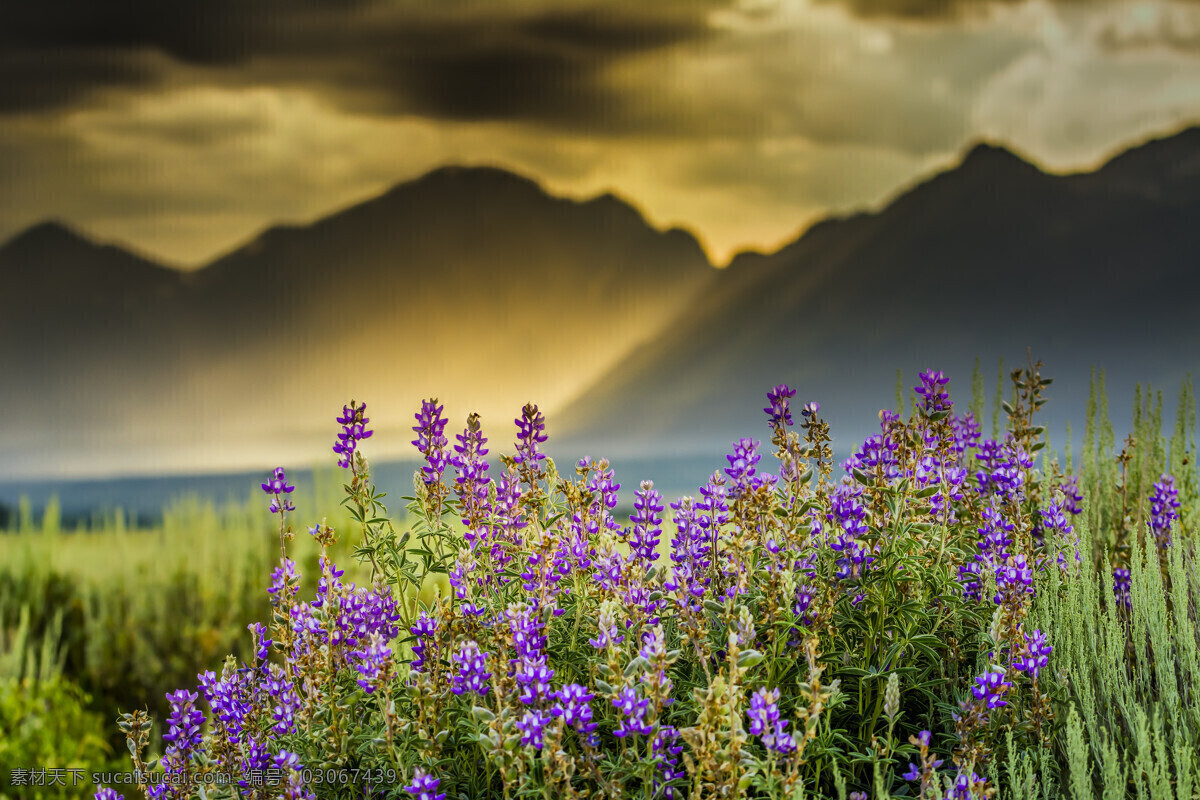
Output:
x=181 y=129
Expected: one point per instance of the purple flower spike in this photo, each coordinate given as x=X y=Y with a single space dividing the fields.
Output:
x=354 y=430
x=633 y=710
x=647 y=523
x=424 y=786
x=573 y=704
x=278 y=486
x=741 y=469
x=372 y=663
x=108 y=794
x=932 y=388
x=1074 y=497
x=765 y=722
x=1037 y=654
x=533 y=728
x=1122 y=580
x=424 y=628
x=1163 y=503
x=472 y=675
x=990 y=688
x=431 y=440
x=778 y=410
x=810 y=409
x=531 y=431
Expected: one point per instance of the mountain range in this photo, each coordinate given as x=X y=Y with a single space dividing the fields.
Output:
x=986 y=259
x=476 y=286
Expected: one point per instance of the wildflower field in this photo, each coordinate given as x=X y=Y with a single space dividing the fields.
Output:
x=944 y=614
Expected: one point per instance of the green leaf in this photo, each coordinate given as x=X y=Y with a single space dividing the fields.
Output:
x=749 y=658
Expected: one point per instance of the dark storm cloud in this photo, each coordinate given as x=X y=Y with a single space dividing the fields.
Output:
x=934 y=10
x=534 y=61
x=911 y=9
x=33 y=79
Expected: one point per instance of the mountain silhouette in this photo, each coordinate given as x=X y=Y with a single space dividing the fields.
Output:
x=984 y=259
x=470 y=284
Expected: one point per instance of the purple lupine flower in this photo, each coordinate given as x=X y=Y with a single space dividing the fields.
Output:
x=372 y=662
x=647 y=524
x=290 y=764
x=425 y=627
x=932 y=388
x=804 y=598
x=666 y=750
x=183 y=736
x=1013 y=580
x=633 y=711
x=261 y=643
x=529 y=667
x=283 y=580
x=926 y=771
x=278 y=487
x=967 y=432
x=533 y=727
x=878 y=455
x=363 y=612
x=286 y=701
x=531 y=432
x=994 y=542
x=229 y=700
x=1004 y=465
x=779 y=412
x=712 y=508
x=742 y=461
x=107 y=794
x=636 y=594
x=1055 y=522
x=609 y=569
x=431 y=440
x=990 y=688
x=353 y=431
x=810 y=409
x=846 y=511
x=967 y=787
x=969 y=575
x=471 y=483
x=1074 y=497
x=601 y=483
x=533 y=676
x=691 y=552
x=1122 y=581
x=472 y=675
x=994 y=538
x=1163 y=502
x=1036 y=654
x=609 y=635
x=766 y=724
x=257 y=757
x=327 y=586
x=424 y=786
x=573 y=704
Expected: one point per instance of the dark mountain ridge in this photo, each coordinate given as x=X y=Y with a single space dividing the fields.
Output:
x=985 y=259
